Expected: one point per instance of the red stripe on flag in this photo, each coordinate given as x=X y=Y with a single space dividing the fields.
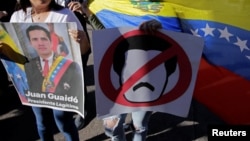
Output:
x=224 y=93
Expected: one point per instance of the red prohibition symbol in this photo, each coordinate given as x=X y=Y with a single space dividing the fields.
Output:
x=116 y=95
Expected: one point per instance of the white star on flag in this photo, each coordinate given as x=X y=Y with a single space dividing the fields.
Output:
x=18 y=76
x=195 y=32
x=225 y=34
x=208 y=30
x=242 y=44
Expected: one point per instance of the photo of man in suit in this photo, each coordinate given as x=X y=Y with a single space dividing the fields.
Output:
x=49 y=72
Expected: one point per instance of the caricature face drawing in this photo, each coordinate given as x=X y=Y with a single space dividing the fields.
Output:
x=133 y=54
x=151 y=86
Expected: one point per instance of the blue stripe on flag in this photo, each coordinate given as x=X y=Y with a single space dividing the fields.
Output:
x=225 y=45
x=112 y=19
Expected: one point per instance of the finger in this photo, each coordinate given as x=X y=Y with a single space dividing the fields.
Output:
x=145 y=27
x=73 y=34
x=77 y=35
x=71 y=5
x=80 y=35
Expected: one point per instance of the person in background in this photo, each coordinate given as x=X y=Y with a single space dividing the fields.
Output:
x=74 y=5
x=114 y=125
x=50 y=72
x=88 y=15
x=48 y=11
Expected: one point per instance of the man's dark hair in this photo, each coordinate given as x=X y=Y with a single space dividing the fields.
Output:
x=37 y=27
x=143 y=42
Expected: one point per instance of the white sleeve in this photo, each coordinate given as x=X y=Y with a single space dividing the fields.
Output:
x=64 y=15
x=13 y=17
x=21 y=16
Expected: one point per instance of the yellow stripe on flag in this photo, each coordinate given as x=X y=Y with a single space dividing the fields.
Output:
x=232 y=12
x=6 y=38
x=133 y=8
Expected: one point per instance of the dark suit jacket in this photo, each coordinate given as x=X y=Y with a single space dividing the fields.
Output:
x=70 y=83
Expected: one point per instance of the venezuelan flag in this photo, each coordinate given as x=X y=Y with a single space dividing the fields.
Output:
x=113 y=13
x=223 y=79
x=13 y=61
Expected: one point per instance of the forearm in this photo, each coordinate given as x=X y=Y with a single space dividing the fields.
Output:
x=95 y=22
x=84 y=45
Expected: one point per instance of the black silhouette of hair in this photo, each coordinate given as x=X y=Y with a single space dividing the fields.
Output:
x=143 y=42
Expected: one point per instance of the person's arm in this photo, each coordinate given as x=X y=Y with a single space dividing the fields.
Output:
x=78 y=35
x=3 y=13
x=76 y=6
x=95 y=22
x=90 y=18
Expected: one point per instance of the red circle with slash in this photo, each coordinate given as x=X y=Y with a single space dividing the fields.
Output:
x=117 y=95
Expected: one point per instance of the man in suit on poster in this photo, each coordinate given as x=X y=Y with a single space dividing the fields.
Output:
x=50 y=72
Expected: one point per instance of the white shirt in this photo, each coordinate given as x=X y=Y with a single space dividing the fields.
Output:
x=61 y=2
x=62 y=16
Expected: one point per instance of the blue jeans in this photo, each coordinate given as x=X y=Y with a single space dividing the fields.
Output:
x=140 y=121
x=64 y=121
